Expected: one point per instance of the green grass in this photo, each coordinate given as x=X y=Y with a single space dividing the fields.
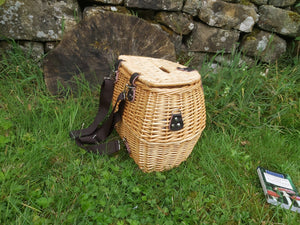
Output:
x=252 y=120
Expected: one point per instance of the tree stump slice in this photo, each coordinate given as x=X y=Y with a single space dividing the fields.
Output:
x=91 y=49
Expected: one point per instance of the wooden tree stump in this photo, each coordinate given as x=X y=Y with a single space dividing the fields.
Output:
x=93 y=46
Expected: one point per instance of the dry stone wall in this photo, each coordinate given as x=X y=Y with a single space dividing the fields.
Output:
x=259 y=28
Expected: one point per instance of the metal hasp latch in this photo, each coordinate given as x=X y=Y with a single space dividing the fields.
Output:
x=176 y=122
x=130 y=93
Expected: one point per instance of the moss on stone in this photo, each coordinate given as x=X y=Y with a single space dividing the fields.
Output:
x=246 y=2
x=294 y=16
x=252 y=36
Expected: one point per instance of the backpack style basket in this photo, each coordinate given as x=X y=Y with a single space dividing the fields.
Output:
x=159 y=113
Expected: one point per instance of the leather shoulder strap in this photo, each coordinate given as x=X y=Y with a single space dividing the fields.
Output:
x=90 y=137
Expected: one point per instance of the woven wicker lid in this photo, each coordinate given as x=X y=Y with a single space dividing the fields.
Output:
x=156 y=72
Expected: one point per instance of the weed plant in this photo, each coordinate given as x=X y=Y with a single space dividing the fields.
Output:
x=252 y=119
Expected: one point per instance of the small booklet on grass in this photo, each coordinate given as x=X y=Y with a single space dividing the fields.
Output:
x=279 y=189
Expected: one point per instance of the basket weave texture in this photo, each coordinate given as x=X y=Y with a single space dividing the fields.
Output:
x=161 y=90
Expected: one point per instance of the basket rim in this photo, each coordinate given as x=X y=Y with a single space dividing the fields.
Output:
x=156 y=72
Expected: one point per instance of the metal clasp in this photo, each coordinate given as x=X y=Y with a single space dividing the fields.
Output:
x=130 y=92
x=176 y=121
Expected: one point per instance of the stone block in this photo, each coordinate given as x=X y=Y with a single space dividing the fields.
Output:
x=113 y=2
x=260 y=2
x=180 y=23
x=281 y=3
x=191 y=7
x=210 y=39
x=92 y=10
x=279 y=20
x=228 y=15
x=266 y=46
x=167 y=5
x=38 y=20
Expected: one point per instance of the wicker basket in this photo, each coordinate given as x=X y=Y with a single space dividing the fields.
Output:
x=163 y=91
